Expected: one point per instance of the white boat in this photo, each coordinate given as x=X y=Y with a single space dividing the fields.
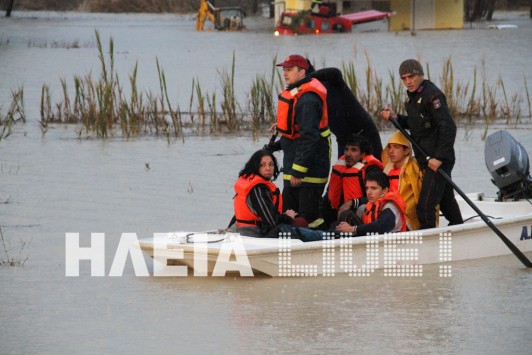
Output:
x=493 y=227
x=402 y=254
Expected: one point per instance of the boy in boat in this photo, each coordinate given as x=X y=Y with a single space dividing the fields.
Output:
x=346 y=191
x=384 y=212
x=404 y=174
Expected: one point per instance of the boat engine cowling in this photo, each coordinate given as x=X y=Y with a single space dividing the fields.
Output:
x=507 y=161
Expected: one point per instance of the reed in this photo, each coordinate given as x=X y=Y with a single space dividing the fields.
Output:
x=102 y=108
x=229 y=104
x=448 y=85
x=16 y=111
x=255 y=104
x=213 y=114
x=7 y=258
x=131 y=113
x=394 y=92
x=32 y=43
x=175 y=126
x=262 y=100
x=488 y=105
x=201 y=111
x=14 y=114
x=350 y=76
x=473 y=106
x=46 y=109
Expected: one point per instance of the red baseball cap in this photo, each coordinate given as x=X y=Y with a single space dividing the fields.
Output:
x=294 y=60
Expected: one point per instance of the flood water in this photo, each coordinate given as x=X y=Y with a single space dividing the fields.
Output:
x=59 y=184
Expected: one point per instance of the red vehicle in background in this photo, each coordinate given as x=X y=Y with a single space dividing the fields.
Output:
x=323 y=19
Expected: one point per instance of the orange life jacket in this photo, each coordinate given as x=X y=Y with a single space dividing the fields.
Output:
x=373 y=210
x=348 y=183
x=286 y=109
x=244 y=215
x=393 y=175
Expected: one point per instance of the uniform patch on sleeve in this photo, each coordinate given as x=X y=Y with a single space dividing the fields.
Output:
x=436 y=103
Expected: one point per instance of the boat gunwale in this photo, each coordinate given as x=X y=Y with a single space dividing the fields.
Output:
x=298 y=246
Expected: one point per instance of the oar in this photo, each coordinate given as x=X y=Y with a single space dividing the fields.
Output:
x=486 y=220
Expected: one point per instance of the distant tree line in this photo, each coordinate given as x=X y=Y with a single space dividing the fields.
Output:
x=179 y=6
x=473 y=9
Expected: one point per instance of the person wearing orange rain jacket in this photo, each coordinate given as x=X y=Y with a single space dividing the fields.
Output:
x=346 y=190
x=384 y=212
x=404 y=174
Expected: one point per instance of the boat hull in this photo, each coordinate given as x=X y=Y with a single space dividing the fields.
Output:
x=398 y=254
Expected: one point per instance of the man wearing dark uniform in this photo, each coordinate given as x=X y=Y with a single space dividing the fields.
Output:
x=432 y=127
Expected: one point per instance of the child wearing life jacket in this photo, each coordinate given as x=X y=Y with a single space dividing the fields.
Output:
x=346 y=191
x=404 y=174
x=384 y=212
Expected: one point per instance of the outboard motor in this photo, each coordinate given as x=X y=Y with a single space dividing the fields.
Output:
x=507 y=162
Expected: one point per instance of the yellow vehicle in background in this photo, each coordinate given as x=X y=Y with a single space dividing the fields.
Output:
x=223 y=18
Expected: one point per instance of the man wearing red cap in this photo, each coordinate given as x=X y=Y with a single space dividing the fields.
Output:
x=303 y=124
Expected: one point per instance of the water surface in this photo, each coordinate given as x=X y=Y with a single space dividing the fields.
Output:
x=59 y=184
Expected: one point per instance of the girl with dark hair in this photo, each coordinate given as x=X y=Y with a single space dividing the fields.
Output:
x=258 y=203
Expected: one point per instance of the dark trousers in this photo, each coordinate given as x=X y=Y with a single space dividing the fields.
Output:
x=436 y=190
x=304 y=234
x=304 y=200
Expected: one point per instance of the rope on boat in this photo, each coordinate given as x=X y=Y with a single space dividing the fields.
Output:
x=475 y=216
x=189 y=238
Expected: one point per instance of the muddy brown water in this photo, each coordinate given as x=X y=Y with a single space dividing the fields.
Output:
x=61 y=184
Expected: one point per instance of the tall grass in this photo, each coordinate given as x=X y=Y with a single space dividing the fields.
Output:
x=527 y=97
x=102 y=107
x=14 y=114
x=105 y=108
x=9 y=256
x=467 y=103
x=262 y=100
x=229 y=104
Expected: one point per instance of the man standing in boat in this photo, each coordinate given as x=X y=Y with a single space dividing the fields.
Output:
x=306 y=140
x=430 y=123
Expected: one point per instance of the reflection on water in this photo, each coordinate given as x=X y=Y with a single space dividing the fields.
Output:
x=61 y=184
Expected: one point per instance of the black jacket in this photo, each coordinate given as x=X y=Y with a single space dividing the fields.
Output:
x=310 y=150
x=346 y=114
x=430 y=123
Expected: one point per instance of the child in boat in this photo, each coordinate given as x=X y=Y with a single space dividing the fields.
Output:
x=345 y=192
x=404 y=174
x=384 y=212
